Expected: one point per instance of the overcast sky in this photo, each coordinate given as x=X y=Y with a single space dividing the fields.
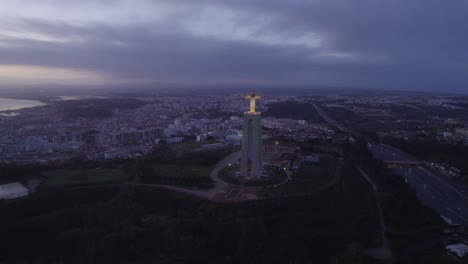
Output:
x=389 y=44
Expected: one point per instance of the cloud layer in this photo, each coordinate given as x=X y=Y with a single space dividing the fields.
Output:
x=393 y=44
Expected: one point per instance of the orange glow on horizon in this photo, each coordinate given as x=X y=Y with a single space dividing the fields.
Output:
x=28 y=73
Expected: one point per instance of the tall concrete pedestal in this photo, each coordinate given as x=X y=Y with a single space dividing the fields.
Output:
x=251 y=159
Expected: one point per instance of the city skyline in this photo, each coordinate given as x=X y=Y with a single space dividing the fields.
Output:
x=396 y=45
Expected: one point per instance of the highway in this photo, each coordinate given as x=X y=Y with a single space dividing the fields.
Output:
x=435 y=192
x=390 y=155
x=329 y=120
x=444 y=195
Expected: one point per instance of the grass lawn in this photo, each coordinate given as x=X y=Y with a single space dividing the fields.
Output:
x=71 y=177
x=180 y=175
x=307 y=179
x=233 y=194
x=225 y=174
x=189 y=146
x=315 y=173
x=171 y=170
x=276 y=176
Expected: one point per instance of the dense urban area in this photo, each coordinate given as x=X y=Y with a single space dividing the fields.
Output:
x=353 y=177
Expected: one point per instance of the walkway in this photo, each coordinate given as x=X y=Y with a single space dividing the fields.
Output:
x=384 y=251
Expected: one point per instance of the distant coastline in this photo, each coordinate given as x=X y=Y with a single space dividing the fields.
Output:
x=9 y=104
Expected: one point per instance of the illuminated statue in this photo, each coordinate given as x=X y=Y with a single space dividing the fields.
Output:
x=252 y=97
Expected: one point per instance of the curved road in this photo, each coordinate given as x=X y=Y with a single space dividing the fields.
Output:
x=220 y=187
x=219 y=184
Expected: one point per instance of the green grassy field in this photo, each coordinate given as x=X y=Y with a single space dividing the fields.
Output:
x=233 y=194
x=172 y=170
x=306 y=180
x=189 y=146
x=276 y=176
x=193 y=175
x=72 y=177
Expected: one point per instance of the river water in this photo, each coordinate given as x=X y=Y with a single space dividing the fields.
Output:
x=16 y=104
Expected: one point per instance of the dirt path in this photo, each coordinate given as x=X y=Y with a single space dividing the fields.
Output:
x=384 y=251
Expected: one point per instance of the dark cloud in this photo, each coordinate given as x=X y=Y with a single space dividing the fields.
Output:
x=419 y=45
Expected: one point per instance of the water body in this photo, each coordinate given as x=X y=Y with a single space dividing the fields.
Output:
x=67 y=98
x=13 y=190
x=16 y=104
x=11 y=114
